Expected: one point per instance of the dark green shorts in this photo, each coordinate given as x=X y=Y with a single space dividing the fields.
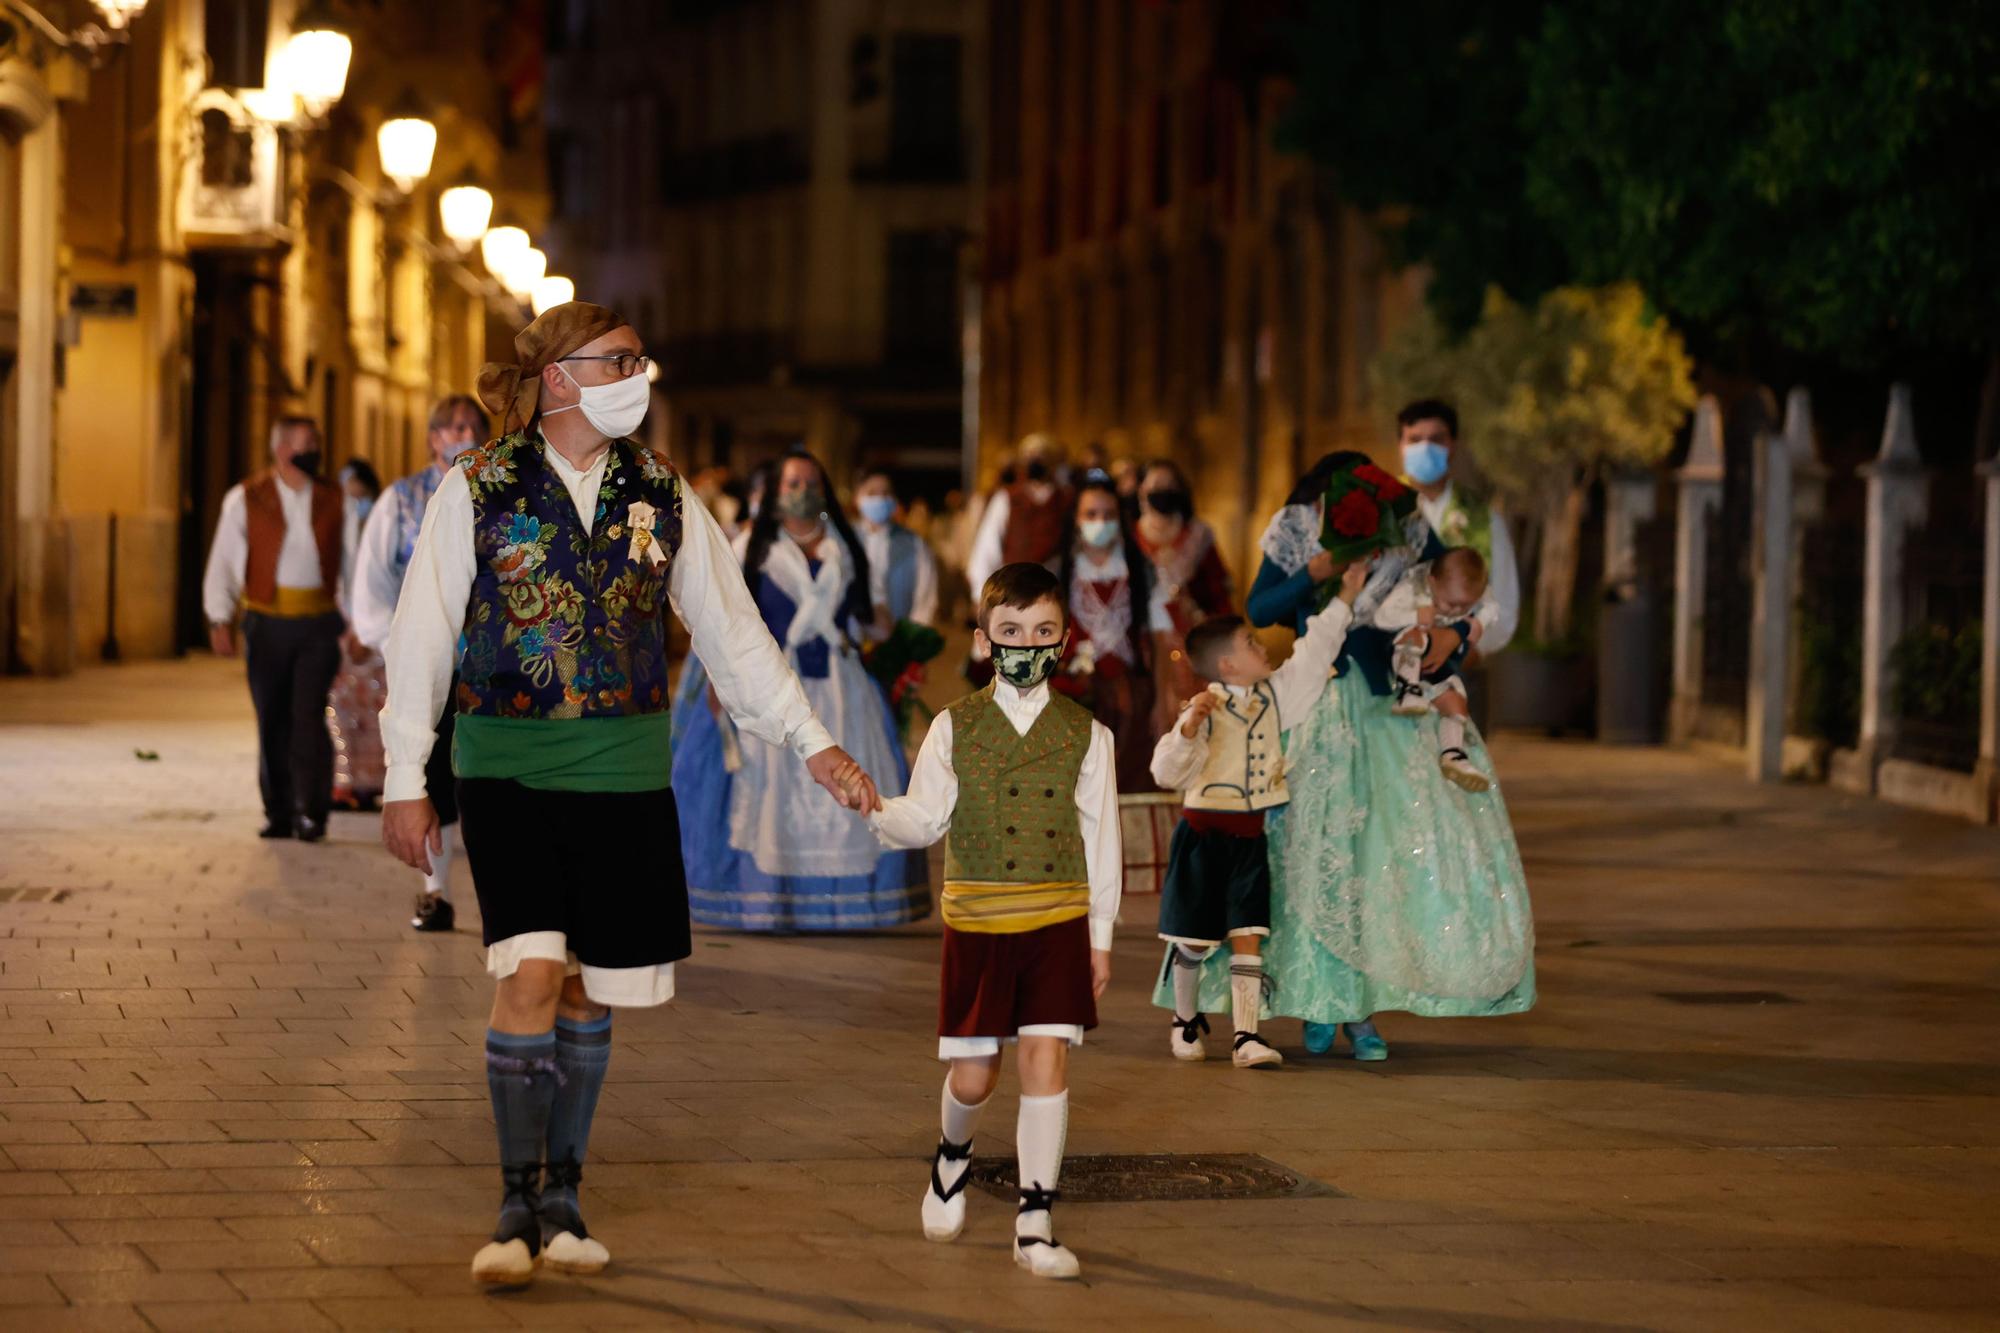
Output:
x=1218 y=884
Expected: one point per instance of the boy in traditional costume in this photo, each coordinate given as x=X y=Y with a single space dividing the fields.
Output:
x=554 y=552
x=1024 y=783
x=1225 y=755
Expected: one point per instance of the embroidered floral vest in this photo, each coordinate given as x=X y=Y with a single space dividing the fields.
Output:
x=564 y=623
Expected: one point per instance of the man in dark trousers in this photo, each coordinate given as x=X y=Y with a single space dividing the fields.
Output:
x=277 y=559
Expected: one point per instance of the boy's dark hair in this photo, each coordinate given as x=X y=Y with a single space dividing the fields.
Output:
x=1210 y=640
x=1429 y=409
x=1020 y=585
x=873 y=471
x=1460 y=562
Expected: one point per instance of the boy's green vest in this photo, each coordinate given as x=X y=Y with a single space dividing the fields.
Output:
x=1014 y=859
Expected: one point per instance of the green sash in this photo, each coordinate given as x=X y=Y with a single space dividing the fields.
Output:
x=630 y=753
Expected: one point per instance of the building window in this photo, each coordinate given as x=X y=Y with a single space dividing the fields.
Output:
x=924 y=124
x=922 y=306
x=225 y=152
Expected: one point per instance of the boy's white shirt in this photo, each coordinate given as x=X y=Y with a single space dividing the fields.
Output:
x=922 y=814
x=1178 y=760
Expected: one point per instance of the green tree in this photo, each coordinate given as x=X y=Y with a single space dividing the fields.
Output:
x=1785 y=178
x=1549 y=396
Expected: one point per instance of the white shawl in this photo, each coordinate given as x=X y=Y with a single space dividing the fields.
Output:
x=819 y=597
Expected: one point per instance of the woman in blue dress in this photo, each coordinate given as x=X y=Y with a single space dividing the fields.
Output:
x=761 y=854
x=1392 y=889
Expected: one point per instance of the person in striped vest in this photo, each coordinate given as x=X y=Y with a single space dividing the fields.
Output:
x=1024 y=783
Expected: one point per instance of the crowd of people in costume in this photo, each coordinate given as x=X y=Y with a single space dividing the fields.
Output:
x=1340 y=847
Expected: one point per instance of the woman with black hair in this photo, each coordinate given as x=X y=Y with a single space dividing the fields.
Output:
x=1391 y=888
x=1191 y=582
x=763 y=851
x=1108 y=665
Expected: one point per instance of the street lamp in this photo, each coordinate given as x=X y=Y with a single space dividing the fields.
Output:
x=524 y=270
x=406 y=142
x=464 y=210
x=498 y=247
x=314 y=61
x=273 y=106
x=552 y=291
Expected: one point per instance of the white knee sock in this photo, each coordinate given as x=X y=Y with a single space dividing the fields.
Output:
x=1407 y=661
x=1246 y=990
x=1187 y=980
x=438 y=881
x=1038 y=1147
x=959 y=1120
x=1451 y=732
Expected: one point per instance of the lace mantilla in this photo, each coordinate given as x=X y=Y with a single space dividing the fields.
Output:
x=1292 y=537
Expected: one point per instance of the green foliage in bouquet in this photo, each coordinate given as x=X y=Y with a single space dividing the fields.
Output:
x=898 y=663
x=1365 y=509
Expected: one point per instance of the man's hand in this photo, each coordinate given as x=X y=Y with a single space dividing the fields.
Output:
x=1196 y=711
x=1444 y=642
x=222 y=640
x=350 y=643
x=1100 y=972
x=1322 y=566
x=834 y=769
x=410 y=832
x=1352 y=580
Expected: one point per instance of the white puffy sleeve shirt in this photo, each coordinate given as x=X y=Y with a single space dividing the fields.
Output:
x=704 y=585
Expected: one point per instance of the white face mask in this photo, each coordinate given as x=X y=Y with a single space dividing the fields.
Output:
x=613 y=410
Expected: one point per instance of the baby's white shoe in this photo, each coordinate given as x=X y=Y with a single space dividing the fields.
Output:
x=1457 y=768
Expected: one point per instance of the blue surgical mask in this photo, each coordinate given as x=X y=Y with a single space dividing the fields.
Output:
x=877 y=509
x=1426 y=462
x=1098 y=532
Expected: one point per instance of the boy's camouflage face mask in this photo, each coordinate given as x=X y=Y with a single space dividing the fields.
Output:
x=1025 y=667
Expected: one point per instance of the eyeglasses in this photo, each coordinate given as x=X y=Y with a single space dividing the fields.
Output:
x=623 y=364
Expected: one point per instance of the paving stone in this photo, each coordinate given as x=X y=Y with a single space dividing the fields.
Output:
x=220 y=1054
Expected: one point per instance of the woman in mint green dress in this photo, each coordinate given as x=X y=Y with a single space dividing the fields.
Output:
x=1392 y=889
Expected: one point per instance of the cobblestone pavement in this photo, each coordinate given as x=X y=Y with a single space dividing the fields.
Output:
x=236 y=1091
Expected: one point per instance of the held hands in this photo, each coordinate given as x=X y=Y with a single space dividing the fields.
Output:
x=834 y=769
x=410 y=832
x=1195 y=712
x=1100 y=972
x=1444 y=642
x=350 y=643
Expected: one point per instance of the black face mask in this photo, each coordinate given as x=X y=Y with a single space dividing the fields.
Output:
x=1168 y=503
x=307 y=461
x=1037 y=472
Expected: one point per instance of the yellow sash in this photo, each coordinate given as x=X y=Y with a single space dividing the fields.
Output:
x=986 y=907
x=294 y=603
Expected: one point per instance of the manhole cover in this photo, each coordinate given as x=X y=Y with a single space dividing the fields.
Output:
x=1161 y=1178
x=1726 y=997
x=33 y=895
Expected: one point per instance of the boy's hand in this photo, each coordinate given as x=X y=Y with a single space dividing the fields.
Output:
x=1100 y=972
x=1352 y=580
x=1196 y=711
x=844 y=780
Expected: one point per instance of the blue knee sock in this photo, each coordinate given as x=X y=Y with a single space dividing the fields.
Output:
x=583 y=1053
x=521 y=1076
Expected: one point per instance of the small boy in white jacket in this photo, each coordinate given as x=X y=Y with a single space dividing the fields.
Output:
x=1225 y=755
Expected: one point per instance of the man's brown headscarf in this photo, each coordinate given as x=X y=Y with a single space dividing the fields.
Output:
x=513 y=391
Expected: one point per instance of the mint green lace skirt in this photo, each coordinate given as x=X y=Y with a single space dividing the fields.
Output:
x=1391 y=889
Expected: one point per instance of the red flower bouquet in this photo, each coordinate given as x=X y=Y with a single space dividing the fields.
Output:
x=1365 y=509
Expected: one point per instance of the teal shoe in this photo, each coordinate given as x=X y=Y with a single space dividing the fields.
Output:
x=1368 y=1043
x=1319 y=1037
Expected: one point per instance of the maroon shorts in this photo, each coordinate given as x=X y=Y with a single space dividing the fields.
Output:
x=995 y=985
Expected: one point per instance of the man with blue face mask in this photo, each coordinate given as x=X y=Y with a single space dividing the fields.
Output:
x=457 y=424
x=1427 y=435
x=902 y=572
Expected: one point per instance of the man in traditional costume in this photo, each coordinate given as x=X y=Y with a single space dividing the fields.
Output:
x=555 y=551
x=387 y=543
x=277 y=557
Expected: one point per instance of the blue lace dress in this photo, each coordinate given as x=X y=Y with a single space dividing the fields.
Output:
x=1392 y=889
